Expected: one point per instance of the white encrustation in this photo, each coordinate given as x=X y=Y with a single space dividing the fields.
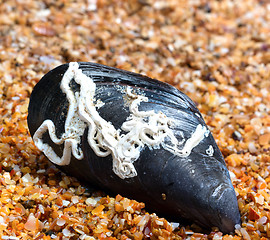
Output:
x=142 y=128
x=210 y=151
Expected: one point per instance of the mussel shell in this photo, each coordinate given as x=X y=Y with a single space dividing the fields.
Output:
x=197 y=188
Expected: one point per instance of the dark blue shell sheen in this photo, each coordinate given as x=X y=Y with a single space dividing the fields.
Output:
x=196 y=187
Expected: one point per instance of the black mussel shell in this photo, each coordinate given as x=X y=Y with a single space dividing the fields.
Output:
x=195 y=186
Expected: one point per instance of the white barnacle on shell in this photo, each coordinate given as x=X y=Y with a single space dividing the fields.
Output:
x=210 y=151
x=141 y=128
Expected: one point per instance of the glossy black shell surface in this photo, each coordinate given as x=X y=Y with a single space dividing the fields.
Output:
x=197 y=188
